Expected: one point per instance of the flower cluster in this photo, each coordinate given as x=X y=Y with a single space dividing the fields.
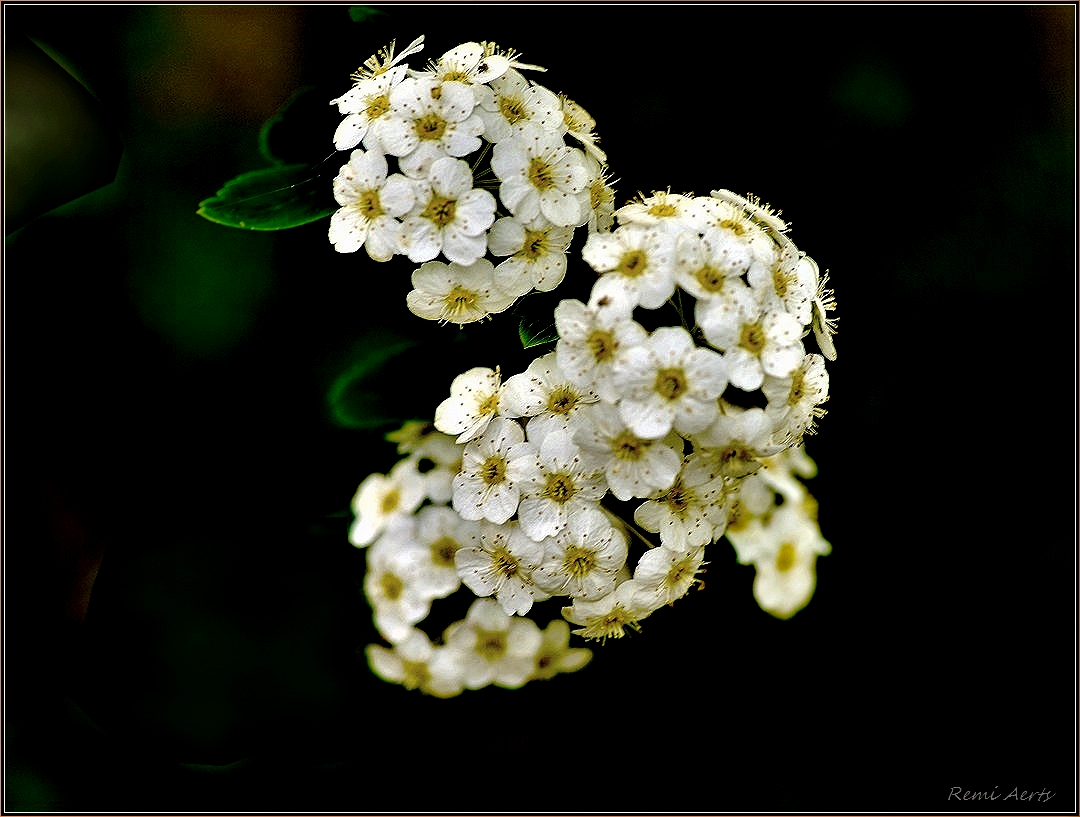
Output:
x=469 y=169
x=670 y=413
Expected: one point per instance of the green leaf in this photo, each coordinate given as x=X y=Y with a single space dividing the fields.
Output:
x=363 y=14
x=274 y=198
x=532 y=336
x=301 y=130
x=363 y=395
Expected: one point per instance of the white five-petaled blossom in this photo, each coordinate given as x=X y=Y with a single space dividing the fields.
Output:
x=727 y=222
x=382 y=498
x=783 y=547
x=544 y=395
x=633 y=466
x=455 y=293
x=490 y=647
x=738 y=440
x=584 y=559
x=499 y=560
x=439 y=534
x=540 y=175
x=510 y=102
x=555 y=654
x=469 y=63
x=599 y=196
x=371 y=204
x=795 y=402
x=555 y=484
x=640 y=258
x=789 y=285
x=484 y=489
x=580 y=125
x=449 y=215
x=667 y=574
x=398 y=583
x=756 y=342
x=593 y=336
x=428 y=120
x=369 y=98
x=669 y=382
x=709 y=269
x=611 y=615
x=409 y=663
x=537 y=254
x=674 y=213
x=362 y=105
x=472 y=404
x=691 y=513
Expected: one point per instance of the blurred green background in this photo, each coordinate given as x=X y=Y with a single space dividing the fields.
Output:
x=182 y=609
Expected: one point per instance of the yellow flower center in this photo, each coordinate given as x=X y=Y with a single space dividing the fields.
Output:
x=670 y=383
x=377 y=106
x=559 y=488
x=512 y=109
x=602 y=345
x=562 y=400
x=628 y=447
x=633 y=264
x=430 y=127
x=490 y=644
x=710 y=279
x=785 y=559
x=443 y=551
x=752 y=338
x=541 y=174
x=493 y=471
x=579 y=562
x=391 y=586
x=440 y=210
x=369 y=205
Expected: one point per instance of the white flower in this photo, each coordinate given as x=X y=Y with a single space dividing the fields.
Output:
x=499 y=560
x=691 y=513
x=669 y=382
x=592 y=337
x=785 y=557
x=473 y=402
x=729 y=222
x=537 y=254
x=511 y=102
x=546 y=396
x=540 y=175
x=666 y=574
x=580 y=125
x=381 y=498
x=672 y=212
x=634 y=466
x=397 y=582
x=755 y=343
x=449 y=215
x=789 y=285
x=555 y=654
x=610 y=615
x=599 y=196
x=555 y=484
x=371 y=204
x=490 y=647
x=440 y=534
x=640 y=258
x=707 y=268
x=409 y=663
x=456 y=293
x=483 y=489
x=584 y=559
x=428 y=120
x=469 y=63
x=369 y=98
x=824 y=326
x=795 y=402
x=738 y=440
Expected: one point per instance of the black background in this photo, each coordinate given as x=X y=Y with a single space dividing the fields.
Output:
x=165 y=384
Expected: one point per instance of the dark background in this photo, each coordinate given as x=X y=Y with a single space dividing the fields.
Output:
x=168 y=441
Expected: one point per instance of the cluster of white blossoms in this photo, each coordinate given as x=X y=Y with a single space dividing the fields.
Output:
x=670 y=413
x=469 y=169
